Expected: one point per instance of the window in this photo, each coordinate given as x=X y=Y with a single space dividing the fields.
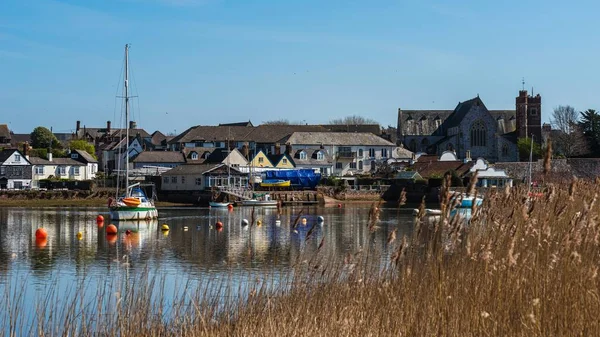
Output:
x=194 y=156
x=303 y=155
x=371 y=153
x=412 y=145
x=39 y=170
x=338 y=166
x=261 y=160
x=504 y=150
x=533 y=112
x=76 y=170
x=360 y=153
x=320 y=155
x=478 y=134
x=74 y=155
x=165 y=180
x=198 y=181
x=173 y=180
x=183 y=179
x=284 y=161
x=17 y=157
x=353 y=165
x=424 y=145
x=2 y=170
x=62 y=170
x=384 y=153
x=360 y=165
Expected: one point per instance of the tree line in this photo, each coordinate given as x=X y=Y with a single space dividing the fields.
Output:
x=575 y=134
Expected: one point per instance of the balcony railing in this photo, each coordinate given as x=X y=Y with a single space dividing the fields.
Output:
x=346 y=155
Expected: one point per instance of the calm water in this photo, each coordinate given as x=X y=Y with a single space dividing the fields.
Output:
x=196 y=254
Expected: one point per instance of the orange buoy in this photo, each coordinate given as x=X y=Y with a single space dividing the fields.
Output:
x=99 y=219
x=219 y=224
x=111 y=229
x=41 y=243
x=219 y=229
x=41 y=233
x=100 y=224
x=230 y=207
x=111 y=238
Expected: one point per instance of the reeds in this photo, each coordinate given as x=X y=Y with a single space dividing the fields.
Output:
x=521 y=266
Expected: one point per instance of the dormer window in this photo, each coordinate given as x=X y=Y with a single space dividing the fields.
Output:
x=303 y=155
x=320 y=155
x=74 y=155
x=17 y=157
x=194 y=156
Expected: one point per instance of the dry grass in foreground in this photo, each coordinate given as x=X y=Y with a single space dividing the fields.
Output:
x=520 y=268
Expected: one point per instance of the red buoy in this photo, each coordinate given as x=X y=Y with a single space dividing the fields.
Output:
x=219 y=224
x=99 y=219
x=339 y=205
x=230 y=207
x=128 y=232
x=219 y=229
x=41 y=243
x=41 y=233
x=111 y=229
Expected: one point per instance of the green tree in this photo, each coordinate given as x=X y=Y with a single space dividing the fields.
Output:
x=524 y=145
x=43 y=138
x=84 y=146
x=590 y=125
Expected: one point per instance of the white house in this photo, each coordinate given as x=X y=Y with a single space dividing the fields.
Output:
x=60 y=168
x=15 y=170
x=351 y=152
x=196 y=177
x=87 y=159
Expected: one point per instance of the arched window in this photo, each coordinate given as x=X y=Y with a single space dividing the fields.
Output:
x=478 y=134
x=320 y=155
x=360 y=165
x=424 y=144
x=303 y=155
x=504 y=150
x=194 y=155
x=412 y=145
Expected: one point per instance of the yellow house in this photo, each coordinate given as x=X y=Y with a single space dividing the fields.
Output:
x=261 y=160
x=281 y=161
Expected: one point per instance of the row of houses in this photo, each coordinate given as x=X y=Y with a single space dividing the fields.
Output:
x=19 y=171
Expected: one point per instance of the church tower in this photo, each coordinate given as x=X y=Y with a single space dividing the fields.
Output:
x=529 y=116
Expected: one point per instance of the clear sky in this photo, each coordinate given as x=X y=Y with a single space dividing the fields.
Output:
x=216 y=61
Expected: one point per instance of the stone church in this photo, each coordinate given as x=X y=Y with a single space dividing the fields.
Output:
x=491 y=134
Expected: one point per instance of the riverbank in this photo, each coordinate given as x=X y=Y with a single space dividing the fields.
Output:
x=523 y=267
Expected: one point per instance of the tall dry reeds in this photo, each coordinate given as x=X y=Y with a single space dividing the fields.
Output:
x=521 y=266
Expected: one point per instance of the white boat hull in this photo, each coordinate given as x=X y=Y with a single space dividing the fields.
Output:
x=145 y=211
x=259 y=203
x=218 y=204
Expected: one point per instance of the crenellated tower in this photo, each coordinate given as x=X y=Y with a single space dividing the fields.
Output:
x=529 y=116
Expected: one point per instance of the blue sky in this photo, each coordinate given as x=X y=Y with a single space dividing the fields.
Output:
x=215 y=61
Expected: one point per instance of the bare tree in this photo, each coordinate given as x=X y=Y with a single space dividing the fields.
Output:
x=282 y=121
x=568 y=139
x=353 y=120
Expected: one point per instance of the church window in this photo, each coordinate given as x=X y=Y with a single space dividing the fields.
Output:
x=412 y=145
x=424 y=144
x=533 y=111
x=478 y=134
x=504 y=150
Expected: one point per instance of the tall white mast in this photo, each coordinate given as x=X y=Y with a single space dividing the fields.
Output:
x=126 y=120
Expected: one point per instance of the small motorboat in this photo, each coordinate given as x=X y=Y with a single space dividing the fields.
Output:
x=218 y=204
x=275 y=183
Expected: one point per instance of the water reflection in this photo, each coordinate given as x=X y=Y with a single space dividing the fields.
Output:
x=194 y=248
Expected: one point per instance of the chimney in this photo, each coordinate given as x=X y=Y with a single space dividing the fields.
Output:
x=277 y=148
x=77 y=127
x=26 y=150
x=132 y=125
x=413 y=158
x=49 y=156
x=108 y=127
x=288 y=149
x=468 y=156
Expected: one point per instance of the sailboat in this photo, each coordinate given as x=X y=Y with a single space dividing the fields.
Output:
x=133 y=204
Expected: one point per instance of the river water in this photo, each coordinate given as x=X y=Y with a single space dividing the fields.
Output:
x=193 y=250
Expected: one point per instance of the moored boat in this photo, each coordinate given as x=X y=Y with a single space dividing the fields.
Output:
x=218 y=204
x=263 y=201
x=275 y=183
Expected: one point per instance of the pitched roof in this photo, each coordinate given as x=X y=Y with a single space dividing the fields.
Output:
x=217 y=156
x=213 y=133
x=278 y=133
x=159 y=157
x=248 y=123
x=4 y=132
x=337 y=138
x=196 y=169
x=311 y=157
x=20 y=138
x=132 y=133
x=187 y=152
x=429 y=168
x=157 y=138
x=5 y=154
x=372 y=128
x=55 y=161
x=276 y=158
x=88 y=157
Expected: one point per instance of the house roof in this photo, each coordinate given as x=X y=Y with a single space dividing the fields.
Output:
x=220 y=155
x=55 y=161
x=248 y=123
x=372 y=128
x=6 y=153
x=408 y=175
x=311 y=157
x=197 y=169
x=429 y=168
x=159 y=157
x=17 y=138
x=337 y=138
x=157 y=138
x=187 y=152
x=213 y=133
x=88 y=157
x=279 y=133
x=4 y=131
x=132 y=133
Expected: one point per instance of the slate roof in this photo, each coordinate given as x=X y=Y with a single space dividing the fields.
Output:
x=428 y=168
x=6 y=153
x=248 y=123
x=276 y=158
x=311 y=157
x=372 y=128
x=159 y=157
x=279 y=133
x=408 y=175
x=187 y=151
x=337 y=138
x=213 y=133
x=55 y=161
x=86 y=156
x=118 y=133
x=197 y=169
x=20 y=138
x=157 y=138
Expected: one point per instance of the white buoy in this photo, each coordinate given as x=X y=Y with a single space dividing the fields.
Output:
x=244 y=222
x=277 y=223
